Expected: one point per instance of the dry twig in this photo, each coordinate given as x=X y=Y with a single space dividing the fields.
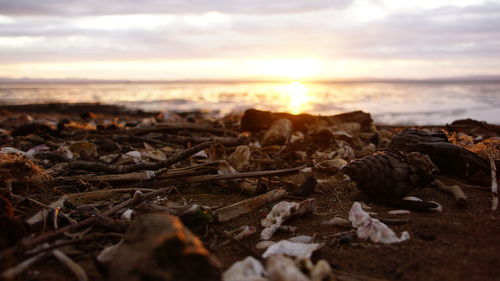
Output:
x=455 y=190
x=246 y=206
x=50 y=236
x=71 y=265
x=123 y=169
x=494 y=185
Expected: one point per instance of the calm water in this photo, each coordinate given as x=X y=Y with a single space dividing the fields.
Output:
x=389 y=103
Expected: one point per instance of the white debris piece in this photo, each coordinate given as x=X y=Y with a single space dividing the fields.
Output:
x=248 y=269
x=264 y=244
x=108 y=253
x=279 y=213
x=296 y=137
x=127 y=215
x=36 y=149
x=306 y=170
x=41 y=215
x=240 y=158
x=293 y=249
x=301 y=239
x=336 y=221
x=241 y=233
x=398 y=212
x=321 y=271
x=200 y=155
x=439 y=207
x=65 y=152
x=10 y=150
x=412 y=198
x=281 y=268
x=283 y=211
x=135 y=155
x=373 y=229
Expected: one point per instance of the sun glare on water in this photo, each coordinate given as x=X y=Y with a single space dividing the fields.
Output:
x=297 y=97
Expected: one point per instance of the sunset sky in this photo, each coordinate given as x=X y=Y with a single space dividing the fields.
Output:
x=249 y=39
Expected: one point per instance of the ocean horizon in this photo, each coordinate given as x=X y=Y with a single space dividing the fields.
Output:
x=405 y=102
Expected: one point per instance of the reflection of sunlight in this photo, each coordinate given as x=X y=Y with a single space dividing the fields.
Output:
x=298 y=99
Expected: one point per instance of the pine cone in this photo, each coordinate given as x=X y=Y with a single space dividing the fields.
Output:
x=386 y=175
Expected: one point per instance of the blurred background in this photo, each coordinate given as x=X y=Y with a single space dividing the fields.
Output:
x=406 y=62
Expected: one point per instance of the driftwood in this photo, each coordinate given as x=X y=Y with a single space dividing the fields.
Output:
x=256 y=120
x=246 y=206
x=122 y=169
x=158 y=247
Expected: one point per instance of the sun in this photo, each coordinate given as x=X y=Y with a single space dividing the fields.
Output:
x=297 y=96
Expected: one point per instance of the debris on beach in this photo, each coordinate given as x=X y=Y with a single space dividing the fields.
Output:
x=112 y=194
x=373 y=229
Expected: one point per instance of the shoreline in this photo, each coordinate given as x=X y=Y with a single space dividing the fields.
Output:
x=111 y=109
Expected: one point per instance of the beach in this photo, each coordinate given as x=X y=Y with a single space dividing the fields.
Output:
x=457 y=243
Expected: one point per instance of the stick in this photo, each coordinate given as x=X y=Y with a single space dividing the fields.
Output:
x=12 y=272
x=50 y=236
x=246 y=206
x=347 y=276
x=457 y=182
x=42 y=214
x=71 y=265
x=135 y=176
x=201 y=178
x=455 y=190
x=123 y=169
x=205 y=178
x=92 y=196
x=494 y=185
x=226 y=141
x=56 y=245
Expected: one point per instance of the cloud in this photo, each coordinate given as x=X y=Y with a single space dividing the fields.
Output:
x=258 y=30
x=98 y=7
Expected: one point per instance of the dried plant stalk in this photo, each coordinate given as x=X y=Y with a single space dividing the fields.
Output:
x=246 y=206
x=455 y=190
x=77 y=270
x=494 y=185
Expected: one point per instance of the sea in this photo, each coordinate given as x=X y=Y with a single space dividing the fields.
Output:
x=391 y=103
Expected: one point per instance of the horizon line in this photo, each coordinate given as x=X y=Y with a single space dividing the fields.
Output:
x=471 y=78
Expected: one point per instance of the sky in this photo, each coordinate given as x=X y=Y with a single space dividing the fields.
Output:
x=248 y=39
